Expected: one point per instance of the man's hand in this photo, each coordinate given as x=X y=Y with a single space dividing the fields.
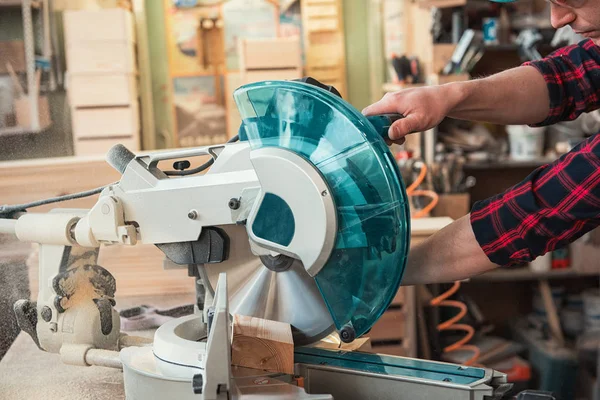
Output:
x=423 y=109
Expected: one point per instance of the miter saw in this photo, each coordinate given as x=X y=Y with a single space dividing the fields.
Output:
x=304 y=220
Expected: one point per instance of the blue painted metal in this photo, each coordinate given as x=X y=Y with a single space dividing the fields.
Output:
x=389 y=365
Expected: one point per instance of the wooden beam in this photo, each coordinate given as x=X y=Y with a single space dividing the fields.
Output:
x=262 y=344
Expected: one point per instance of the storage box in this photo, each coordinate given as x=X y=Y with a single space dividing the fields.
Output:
x=110 y=24
x=93 y=146
x=105 y=121
x=23 y=112
x=101 y=57
x=454 y=205
x=96 y=90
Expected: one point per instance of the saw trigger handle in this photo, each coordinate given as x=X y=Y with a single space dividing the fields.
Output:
x=383 y=122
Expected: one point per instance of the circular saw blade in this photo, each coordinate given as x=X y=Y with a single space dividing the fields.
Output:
x=290 y=296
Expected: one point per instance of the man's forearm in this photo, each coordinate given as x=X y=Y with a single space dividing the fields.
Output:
x=449 y=255
x=513 y=97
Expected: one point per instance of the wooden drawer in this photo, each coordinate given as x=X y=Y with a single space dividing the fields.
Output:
x=271 y=53
x=391 y=326
x=96 y=90
x=105 y=121
x=84 y=26
x=101 y=56
x=86 y=146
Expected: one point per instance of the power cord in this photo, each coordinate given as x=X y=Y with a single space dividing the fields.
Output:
x=8 y=211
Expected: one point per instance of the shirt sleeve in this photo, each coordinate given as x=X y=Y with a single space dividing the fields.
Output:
x=572 y=75
x=555 y=205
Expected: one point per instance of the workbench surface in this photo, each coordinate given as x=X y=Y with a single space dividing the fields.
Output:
x=26 y=372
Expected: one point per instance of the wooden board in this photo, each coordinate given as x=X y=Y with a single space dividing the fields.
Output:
x=262 y=344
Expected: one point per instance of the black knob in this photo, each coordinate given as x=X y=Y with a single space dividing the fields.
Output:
x=181 y=165
x=46 y=313
x=197 y=383
x=234 y=204
x=347 y=334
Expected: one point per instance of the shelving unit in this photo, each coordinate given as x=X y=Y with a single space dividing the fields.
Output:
x=29 y=42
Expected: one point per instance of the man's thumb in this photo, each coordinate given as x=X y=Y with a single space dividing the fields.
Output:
x=403 y=127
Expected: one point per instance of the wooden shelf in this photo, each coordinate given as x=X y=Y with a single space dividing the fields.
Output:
x=394 y=87
x=16 y=130
x=526 y=274
x=481 y=165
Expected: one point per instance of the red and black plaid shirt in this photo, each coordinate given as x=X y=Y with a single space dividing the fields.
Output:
x=559 y=202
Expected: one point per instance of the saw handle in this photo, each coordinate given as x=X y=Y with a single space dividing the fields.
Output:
x=383 y=122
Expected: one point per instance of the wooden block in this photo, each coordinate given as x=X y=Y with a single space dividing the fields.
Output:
x=333 y=342
x=389 y=327
x=105 y=121
x=101 y=146
x=13 y=52
x=110 y=24
x=95 y=90
x=262 y=344
x=101 y=56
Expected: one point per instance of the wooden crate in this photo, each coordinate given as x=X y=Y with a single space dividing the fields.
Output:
x=98 y=122
x=97 y=90
x=325 y=50
x=110 y=24
x=101 y=56
x=270 y=59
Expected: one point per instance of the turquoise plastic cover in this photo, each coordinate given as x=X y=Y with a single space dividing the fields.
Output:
x=364 y=271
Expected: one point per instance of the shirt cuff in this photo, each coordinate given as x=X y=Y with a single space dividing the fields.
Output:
x=548 y=72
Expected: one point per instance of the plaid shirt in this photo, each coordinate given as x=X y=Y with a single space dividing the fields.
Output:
x=559 y=202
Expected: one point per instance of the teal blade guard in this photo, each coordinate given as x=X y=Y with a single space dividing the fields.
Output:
x=365 y=269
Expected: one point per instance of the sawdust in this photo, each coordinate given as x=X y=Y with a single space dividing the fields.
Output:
x=28 y=373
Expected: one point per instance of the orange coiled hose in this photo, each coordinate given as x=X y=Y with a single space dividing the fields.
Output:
x=453 y=325
x=412 y=191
